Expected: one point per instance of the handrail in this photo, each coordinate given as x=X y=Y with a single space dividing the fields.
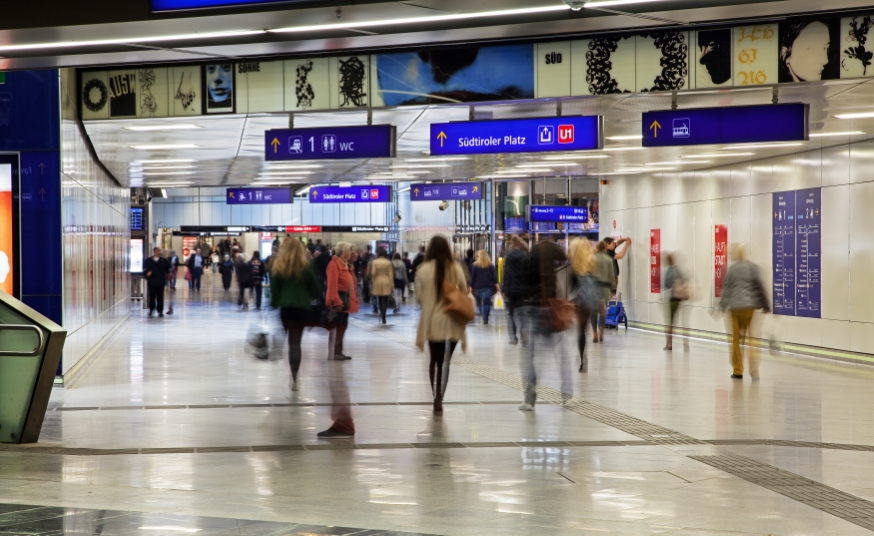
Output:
x=24 y=327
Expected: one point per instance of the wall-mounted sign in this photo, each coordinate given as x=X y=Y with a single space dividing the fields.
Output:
x=179 y=5
x=330 y=143
x=136 y=256
x=797 y=253
x=655 y=261
x=558 y=214
x=783 y=252
x=303 y=229
x=740 y=124
x=351 y=194
x=517 y=136
x=137 y=221
x=720 y=258
x=259 y=196
x=446 y=191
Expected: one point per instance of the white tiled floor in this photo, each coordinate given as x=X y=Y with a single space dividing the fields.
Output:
x=198 y=357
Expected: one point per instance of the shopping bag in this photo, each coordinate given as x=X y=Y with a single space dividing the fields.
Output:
x=498 y=302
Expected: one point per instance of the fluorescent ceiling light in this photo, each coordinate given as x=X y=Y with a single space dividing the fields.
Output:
x=172 y=126
x=645 y=169
x=164 y=147
x=612 y=3
x=624 y=138
x=154 y=174
x=763 y=146
x=546 y=165
x=156 y=168
x=857 y=115
x=577 y=157
x=292 y=166
x=678 y=163
x=623 y=148
x=716 y=155
x=419 y=166
x=830 y=134
x=407 y=189
x=279 y=173
x=176 y=161
x=169 y=184
x=418 y=20
x=519 y=176
x=281 y=182
x=525 y=168
x=164 y=193
x=172 y=528
x=129 y=40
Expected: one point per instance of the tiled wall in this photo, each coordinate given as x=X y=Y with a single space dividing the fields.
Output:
x=95 y=239
x=686 y=206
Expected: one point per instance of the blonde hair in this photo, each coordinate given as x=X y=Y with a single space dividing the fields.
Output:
x=581 y=256
x=291 y=260
x=482 y=259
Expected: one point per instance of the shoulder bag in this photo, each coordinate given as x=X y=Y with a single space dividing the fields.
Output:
x=456 y=303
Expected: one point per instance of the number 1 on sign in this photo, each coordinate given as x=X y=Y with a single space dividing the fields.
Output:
x=312 y=144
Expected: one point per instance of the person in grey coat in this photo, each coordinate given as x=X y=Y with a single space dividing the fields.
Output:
x=742 y=293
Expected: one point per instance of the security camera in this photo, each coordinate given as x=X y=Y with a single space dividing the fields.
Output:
x=576 y=5
x=443 y=205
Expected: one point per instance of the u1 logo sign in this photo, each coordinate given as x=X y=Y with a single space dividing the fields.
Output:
x=565 y=134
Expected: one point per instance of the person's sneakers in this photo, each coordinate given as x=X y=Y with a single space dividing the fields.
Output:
x=525 y=406
x=151 y=313
x=514 y=342
x=160 y=314
x=737 y=376
x=292 y=384
x=341 y=357
x=333 y=433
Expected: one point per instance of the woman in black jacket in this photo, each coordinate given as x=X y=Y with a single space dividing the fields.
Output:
x=513 y=286
x=227 y=270
x=243 y=278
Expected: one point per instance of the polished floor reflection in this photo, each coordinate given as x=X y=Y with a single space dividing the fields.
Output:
x=176 y=420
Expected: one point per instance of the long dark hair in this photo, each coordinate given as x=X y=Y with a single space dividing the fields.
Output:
x=440 y=252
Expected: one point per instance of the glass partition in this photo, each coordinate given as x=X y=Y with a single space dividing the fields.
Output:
x=30 y=349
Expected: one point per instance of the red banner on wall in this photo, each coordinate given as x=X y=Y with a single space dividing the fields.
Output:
x=720 y=258
x=655 y=261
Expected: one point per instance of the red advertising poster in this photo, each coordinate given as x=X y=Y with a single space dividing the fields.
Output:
x=7 y=262
x=720 y=258
x=655 y=261
x=189 y=243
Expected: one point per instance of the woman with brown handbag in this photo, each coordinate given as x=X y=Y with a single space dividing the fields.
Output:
x=441 y=325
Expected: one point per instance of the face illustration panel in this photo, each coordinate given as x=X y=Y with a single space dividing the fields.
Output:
x=809 y=51
x=713 y=55
x=219 y=79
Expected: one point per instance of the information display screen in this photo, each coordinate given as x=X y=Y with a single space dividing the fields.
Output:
x=136 y=256
x=136 y=219
x=559 y=214
x=7 y=256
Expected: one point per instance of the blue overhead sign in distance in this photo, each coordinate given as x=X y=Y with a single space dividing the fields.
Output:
x=545 y=214
x=517 y=136
x=446 y=191
x=178 y=5
x=740 y=124
x=350 y=194
x=259 y=196
x=330 y=143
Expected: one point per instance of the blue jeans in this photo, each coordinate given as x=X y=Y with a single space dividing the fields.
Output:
x=196 y=274
x=484 y=301
x=542 y=341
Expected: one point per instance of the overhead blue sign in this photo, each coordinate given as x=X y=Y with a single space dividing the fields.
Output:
x=741 y=124
x=176 y=5
x=330 y=143
x=559 y=214
x=351 y=194
x=259 y=196
x=446 y=191
x=517 y=136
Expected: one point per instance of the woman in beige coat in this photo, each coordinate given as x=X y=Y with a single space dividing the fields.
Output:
x=436 y=328
x=383 y=282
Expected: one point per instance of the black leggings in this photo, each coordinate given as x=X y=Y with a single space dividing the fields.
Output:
x=438 y=369
x=582 y=323
x=294 y=321
x=383 y=305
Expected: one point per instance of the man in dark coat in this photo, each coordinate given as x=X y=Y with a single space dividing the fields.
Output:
x=156 y=270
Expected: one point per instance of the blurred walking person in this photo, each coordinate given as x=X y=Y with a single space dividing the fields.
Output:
x=679 y=290
x=341 y=295
x=484 y=283
x=294 y=287
x=341 y=298
x=437 y=328
x=382 y=277
x=544 y=319
x=157 y=270
x=742 y=293
x=256 y=277
x=602 y=269
x=400 y=280
x=587 y=295
x=514 y=284
x=227 y=270
x=195 y=268
x=241 y=267
x=173 y=260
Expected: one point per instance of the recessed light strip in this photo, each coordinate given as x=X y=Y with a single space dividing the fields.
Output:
x=835 y=134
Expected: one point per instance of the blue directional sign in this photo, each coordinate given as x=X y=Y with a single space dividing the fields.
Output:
x=176 y=5
x=330 y=143
x=517 y=136
x=351 y=194
x=259 y=196
x=540 y=213
x=741 y=124
x=446 y=191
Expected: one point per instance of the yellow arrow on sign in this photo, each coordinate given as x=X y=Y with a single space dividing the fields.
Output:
x=275 y=144
x=655 y=126
x=315 y=193
x=231 y=195
x=441 y=137
x=475 y=189
x=416 y=191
